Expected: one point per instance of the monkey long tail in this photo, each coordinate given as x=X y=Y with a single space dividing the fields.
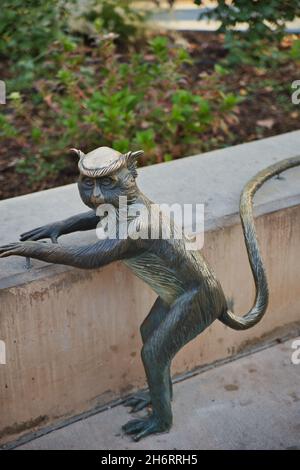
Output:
x=246 y=213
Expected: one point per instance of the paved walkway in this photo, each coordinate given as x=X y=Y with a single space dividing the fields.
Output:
x=250 y=403
x=184 y=17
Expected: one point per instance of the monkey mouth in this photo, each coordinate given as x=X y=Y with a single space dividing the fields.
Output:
x=96 y=202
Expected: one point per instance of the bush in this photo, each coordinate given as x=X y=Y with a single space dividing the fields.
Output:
x=118 y=16
x=97 y=97
x=27 y=30
x=266 y=24
x=265 y=20
x=86 y=91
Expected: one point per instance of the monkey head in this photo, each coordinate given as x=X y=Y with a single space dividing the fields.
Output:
x=105 y=175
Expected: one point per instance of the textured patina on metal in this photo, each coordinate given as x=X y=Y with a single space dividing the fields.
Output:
x=190 y=297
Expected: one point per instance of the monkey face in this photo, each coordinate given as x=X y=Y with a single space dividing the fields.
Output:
x=107 y=189
x=106 y=175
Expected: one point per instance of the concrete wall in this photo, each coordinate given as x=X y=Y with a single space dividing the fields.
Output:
x=72 y=336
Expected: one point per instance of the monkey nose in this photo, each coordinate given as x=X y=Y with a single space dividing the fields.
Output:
x=97 y=200
x=97 y=194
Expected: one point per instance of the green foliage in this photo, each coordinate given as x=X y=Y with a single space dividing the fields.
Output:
x=27 y=31
x=67 y=93
x=141 y=102
x=159 y=47
x=27 y=28
x=265 y=21
x=145 y=139
x=229 y=101
x=117 y=16
x=6 y=128
x=295 y=50
x=220 y=70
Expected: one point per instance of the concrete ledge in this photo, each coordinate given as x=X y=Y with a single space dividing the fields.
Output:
x=213 y=178
x=72 y=336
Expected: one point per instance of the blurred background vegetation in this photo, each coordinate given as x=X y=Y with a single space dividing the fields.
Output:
x=86 y=73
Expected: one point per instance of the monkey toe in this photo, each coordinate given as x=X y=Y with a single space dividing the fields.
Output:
x=138 y=402
x=133 y=426
x=143 y=427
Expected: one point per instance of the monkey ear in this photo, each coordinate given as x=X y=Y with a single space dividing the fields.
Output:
x=79 y=153
x=131 y=161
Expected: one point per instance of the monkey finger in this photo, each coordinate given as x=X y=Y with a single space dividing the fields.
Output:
x=5 y=254
x=31 y=238
x=34 y=235
x=11 y=252
x=18 y=248
x=9 y=246
x=31 y=233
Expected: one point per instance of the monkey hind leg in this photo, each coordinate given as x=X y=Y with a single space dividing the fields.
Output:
x=181 y=324
x=156 y=315
x=158 y=312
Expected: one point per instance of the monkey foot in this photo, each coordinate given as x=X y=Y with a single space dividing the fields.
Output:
x=138 y=402
x=143 y=427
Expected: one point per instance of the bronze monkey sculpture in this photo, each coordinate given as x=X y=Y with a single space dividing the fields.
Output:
x=190 y=297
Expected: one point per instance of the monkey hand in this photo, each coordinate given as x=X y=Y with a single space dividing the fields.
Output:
x=19 y=249
x=52 y=231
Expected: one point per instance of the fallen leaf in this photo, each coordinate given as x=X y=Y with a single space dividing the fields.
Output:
x=145 y=124
x=260 y=72
x=268 y=123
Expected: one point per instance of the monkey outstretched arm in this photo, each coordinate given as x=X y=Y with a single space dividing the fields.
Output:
x=85 y=221
x=86 y=257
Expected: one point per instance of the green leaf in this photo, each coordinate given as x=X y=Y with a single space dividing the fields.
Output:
x=295 y=50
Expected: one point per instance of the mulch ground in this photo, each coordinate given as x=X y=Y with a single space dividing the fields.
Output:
x=266 y=110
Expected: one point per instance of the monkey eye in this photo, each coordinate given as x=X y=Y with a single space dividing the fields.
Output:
x=88 y=181
x=107 y=181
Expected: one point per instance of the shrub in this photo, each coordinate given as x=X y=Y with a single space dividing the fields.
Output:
x=266 y=24
x=138 y=100
x=27 y=30
x=88 y=91
x=118 y=16
x=265 y=21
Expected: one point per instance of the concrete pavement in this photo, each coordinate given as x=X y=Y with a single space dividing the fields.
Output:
x=249 y=403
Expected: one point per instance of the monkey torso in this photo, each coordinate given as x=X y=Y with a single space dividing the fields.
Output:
x=170 y=270
x=159 y=276
x=166 y=264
